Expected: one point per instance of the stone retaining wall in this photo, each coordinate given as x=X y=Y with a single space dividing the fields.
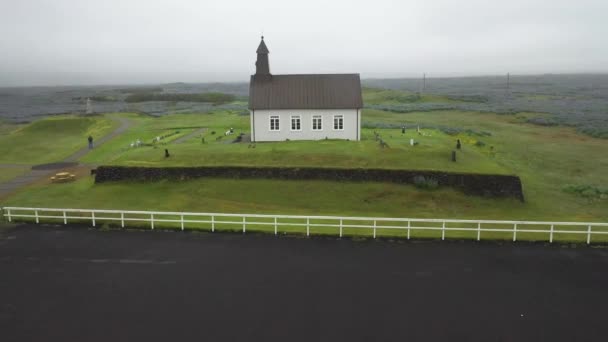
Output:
x=475 y=184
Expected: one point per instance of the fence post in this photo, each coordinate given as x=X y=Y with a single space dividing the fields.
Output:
x=244 y=224
x=122 y=219
x=551 y=235
x=443 y=231
x=93 y=217
x=409 y=227
x=588 y=234
x=478 y=230
x=8 y=211
x=152 y=221
x=308 y=226
x=212 y=223
x=275 y=226
x=340 y=227
x=374 y=229
x=36 y=213
x=182 y=221
x=515 y=232
x=65 y=219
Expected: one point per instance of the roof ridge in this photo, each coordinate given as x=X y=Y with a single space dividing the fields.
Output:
x=346 y=73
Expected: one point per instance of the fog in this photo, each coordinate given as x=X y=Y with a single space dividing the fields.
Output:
x=59 y=42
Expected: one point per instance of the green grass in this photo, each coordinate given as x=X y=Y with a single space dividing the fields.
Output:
x=287 y=197
x=265 y=196
x=51 y=139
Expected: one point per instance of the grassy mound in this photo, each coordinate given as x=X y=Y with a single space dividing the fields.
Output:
x=52 y=139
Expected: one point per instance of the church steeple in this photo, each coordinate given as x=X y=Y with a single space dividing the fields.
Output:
x=262 y=68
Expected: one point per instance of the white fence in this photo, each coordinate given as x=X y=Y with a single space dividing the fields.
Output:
x=333 y=225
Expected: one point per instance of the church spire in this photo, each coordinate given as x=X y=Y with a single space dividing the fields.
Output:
x=262 y=68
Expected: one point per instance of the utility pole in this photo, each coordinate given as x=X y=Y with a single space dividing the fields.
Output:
x=508 y=81
x=423 y=82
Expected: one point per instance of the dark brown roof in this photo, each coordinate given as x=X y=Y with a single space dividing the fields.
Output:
x=320 y=91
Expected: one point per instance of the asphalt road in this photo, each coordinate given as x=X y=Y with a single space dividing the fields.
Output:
x=68 y=284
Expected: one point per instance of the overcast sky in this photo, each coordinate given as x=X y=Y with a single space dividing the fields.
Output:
x=44 y=42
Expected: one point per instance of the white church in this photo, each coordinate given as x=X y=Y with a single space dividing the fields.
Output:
x=303 y=107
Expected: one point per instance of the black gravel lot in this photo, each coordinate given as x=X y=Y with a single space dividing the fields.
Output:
x=77 y=284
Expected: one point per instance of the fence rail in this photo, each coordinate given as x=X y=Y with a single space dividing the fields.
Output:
x=336 y=225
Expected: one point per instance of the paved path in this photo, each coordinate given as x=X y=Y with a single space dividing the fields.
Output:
x=34 y=175
x=23 y=180
x=189 y=135
x=125 y=124
x=76 y=284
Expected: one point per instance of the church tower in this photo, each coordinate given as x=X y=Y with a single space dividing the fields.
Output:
x=262 y=68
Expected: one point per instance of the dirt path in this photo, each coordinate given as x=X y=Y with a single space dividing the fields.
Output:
x=34 y=175
x=189 y=135
x=21 y=181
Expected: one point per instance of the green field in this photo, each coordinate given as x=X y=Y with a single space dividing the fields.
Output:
x=548 y=160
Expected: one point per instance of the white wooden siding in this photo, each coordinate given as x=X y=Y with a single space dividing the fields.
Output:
x=260 y=124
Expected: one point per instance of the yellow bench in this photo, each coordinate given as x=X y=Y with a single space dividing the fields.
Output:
x=63 y=177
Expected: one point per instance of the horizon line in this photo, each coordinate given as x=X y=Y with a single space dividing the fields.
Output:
x=247 y=79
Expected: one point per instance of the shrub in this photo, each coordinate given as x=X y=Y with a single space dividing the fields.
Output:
x=480 y=143
x=542 y=121
x=99 y=98
x=469 y=98
x=587 y=191
x=428 y=183
x=596 y=132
